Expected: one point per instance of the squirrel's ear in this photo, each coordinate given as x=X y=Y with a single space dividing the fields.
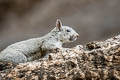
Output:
x=59 y=24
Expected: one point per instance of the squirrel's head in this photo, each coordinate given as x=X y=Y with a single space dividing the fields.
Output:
x=65 y=33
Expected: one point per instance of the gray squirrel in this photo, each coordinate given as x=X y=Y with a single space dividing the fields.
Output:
x=35 y=48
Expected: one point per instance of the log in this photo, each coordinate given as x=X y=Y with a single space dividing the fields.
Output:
x=95 y=60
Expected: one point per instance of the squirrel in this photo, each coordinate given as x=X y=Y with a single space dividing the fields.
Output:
x=35 y=48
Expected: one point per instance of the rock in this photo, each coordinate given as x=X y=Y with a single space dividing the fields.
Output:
x=95 y=60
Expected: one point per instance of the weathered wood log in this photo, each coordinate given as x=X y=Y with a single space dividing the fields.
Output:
x=95 y=60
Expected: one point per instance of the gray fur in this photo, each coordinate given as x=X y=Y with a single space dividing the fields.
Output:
x=35 y=48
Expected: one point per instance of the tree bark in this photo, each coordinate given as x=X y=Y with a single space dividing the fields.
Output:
x=95 y=60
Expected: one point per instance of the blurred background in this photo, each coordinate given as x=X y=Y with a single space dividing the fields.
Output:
x=92 y=19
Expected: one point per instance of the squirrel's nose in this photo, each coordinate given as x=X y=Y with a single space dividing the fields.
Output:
x=77 y=35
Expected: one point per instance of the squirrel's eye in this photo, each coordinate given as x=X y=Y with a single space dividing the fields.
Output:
x=68 y=30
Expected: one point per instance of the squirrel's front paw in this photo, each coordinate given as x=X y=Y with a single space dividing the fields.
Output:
x=54 y=50
x=57 y=49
